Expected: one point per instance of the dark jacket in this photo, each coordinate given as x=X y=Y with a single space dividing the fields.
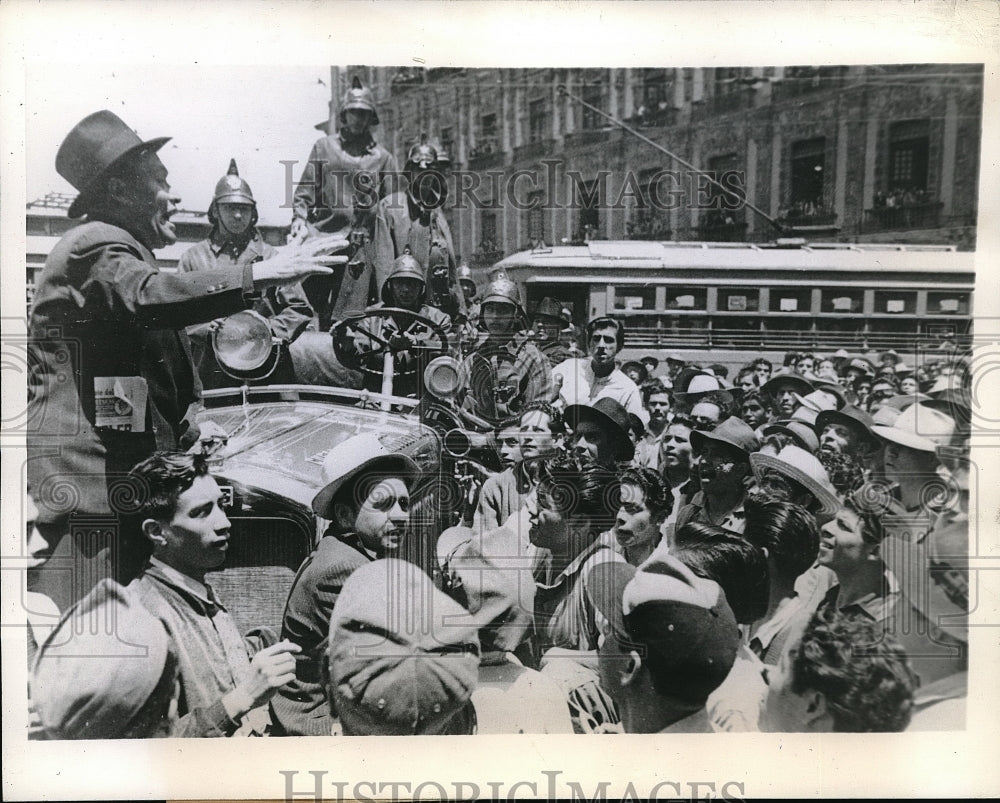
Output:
x=286 y=308
x=300 y=708
x=103 y=311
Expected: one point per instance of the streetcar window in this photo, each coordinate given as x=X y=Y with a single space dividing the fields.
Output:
x=741 y=300
x=895 y=302
x=635 y=297
x=686 y=298
x=947 y=303
x=787 y=299
x=839 y=299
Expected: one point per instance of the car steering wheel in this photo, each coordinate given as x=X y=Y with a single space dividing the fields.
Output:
x=370 y=362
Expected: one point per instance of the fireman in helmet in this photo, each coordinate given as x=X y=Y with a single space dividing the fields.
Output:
x=341 y=184
x=467 y=326
x=412 y=341
x=235 y=242
x=506 y=370
x=415 y=219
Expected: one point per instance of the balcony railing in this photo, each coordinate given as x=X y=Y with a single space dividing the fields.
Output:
x=588 y=136
x=895 y=218
x=644 y=225
x=485 y=153
x=533 y=150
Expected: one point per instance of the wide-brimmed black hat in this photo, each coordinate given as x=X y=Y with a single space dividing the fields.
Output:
x=94 y=146
x=855 y=419
x=548 y=308
x=733 y=432
x=798 y=384
x=612 y=418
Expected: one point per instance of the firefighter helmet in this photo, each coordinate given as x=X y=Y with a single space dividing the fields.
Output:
x=503 y=291
x=422 y=155
x=358 y=97
x=231 y=189
x=465 y=274
x=406 y=266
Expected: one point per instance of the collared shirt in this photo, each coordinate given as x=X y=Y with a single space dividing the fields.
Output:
x=581 y=386
x=735 y=520
x=647 y=450
x=772 y=636
x=212 y=656
x=876 y=605
x=563 y=607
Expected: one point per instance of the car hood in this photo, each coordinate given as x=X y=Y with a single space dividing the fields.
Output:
x=279 y=447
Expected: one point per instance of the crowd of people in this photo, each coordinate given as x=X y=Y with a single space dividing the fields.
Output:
x=661 y=551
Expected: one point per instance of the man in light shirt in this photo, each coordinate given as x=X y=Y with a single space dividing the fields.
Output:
x=587 y=379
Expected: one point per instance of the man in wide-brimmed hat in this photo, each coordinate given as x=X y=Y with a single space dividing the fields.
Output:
x=794 y=475
x=600 y=431
x=111 y=374
x=783 y=389
x=366 y=499
x=724 y=465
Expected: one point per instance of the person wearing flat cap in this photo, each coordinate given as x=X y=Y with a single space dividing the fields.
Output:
x=111 y=378
x=585 y=380
x=367 y=501
x=403 y=657
x=723 y=472
x=104 y=682
x=600 y=432
x=670 y=639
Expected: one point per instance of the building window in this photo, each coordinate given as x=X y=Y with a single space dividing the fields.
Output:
x=808 y=168
x=588 y=195
x=725 y=212
x=649 y=219
x=909 y=146
x=448 y=141
x=537 y=120
x=592 y=94
x=488 y=230
x=655 y=97
x=536 y=216
x=487 y=139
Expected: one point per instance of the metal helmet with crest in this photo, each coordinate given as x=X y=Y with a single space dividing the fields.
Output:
x=503 y=291
x=231 y=189
x=405 y=266
x=358 y=97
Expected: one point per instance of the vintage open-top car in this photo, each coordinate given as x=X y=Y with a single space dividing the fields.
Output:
x=280 y=437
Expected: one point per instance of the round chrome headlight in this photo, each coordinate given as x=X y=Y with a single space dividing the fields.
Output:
x=243 y=342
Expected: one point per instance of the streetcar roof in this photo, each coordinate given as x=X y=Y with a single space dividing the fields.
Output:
x=645 y=255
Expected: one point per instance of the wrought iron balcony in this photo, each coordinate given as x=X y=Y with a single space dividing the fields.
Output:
x=909 y=216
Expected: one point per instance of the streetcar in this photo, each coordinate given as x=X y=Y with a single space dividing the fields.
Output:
x=744 y=297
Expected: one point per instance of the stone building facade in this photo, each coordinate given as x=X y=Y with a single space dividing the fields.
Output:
x=848 y=154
